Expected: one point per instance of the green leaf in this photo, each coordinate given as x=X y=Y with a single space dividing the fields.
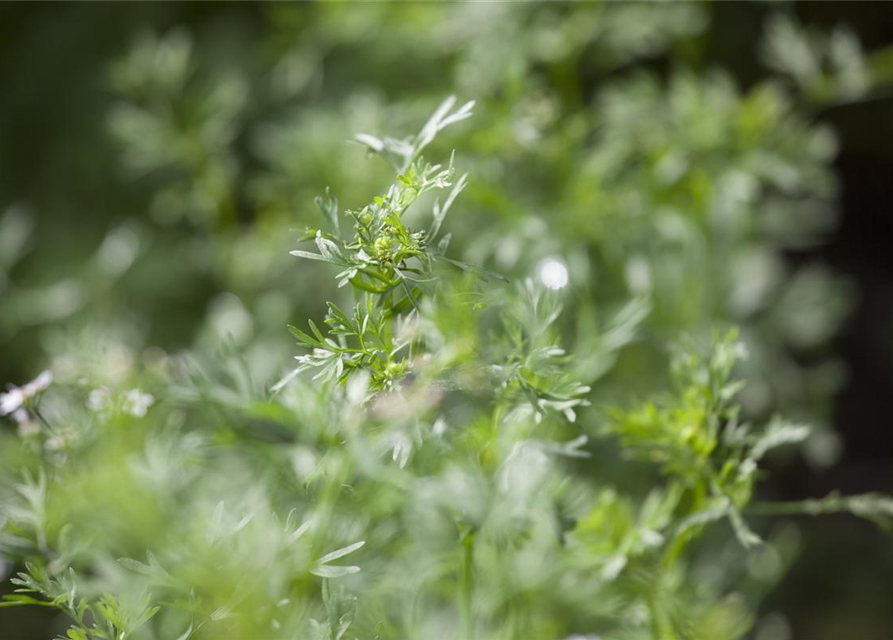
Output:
x=315 y=256
x=329 y=249
x=777 y=434
x=439 y=120
x=303 y=337
x=746 y=537
x=18 y=600
x=340 y=553
x=328 y=205
x=316 y=332
x=326 y=571
x=440 y=212
x=339 y=317
x=136 y=566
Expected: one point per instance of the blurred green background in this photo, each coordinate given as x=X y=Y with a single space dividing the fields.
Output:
x=721 y=163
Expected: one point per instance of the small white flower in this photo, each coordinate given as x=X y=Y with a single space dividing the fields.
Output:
x=11 y=400
x=439 y=427
x=553 y=273
x=40 y=383
x=56 y=443
x=137 y=403
x=99 y=399
x=17 y=396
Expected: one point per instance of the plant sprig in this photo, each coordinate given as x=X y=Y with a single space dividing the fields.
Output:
x=390 y=265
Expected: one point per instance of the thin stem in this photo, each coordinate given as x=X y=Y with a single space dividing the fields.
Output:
x=377 y=275
x=40 y=417
x=864 y=505
x=467 y=585
x=368 y=287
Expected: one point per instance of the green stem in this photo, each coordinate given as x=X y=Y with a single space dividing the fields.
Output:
x=678 y=545
x=661 y=628
x=865 y=504
x=372 y=273
x=368 y=287
x=40 y=417
x=467 y=585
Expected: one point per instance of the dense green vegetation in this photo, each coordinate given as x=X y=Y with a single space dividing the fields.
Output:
x=538 y=377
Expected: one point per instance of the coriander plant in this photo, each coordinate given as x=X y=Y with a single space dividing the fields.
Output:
x=426 y=471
